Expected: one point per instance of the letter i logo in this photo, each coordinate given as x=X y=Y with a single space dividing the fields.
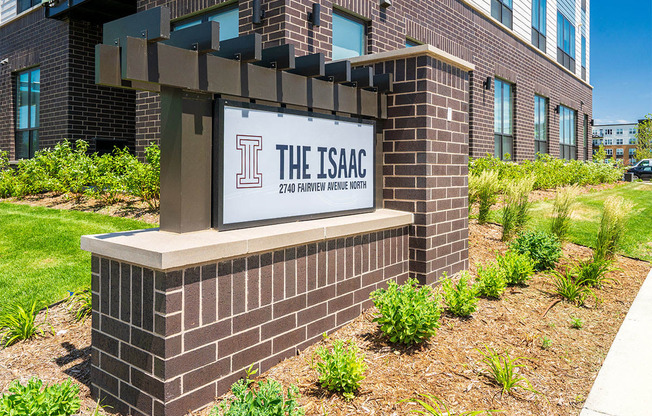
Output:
x=249 y=147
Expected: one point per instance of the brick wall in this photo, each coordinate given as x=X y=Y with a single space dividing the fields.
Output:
x=184 y=336
x=72 y=106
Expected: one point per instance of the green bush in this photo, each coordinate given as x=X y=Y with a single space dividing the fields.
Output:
x=268 y=400
x=4 y=160
x=18 y=324
x=562 y=209
x=593 y=273
x=461 y=298
x=517 y=206
x=68 y=169
x=549 y=172
x=407 y=314
x=517 y=268
x=569 y=288
x=29 y=400
x=612 y=227
x=543 y=248
x=486 y=192
x=342 y=369
x=490 y=282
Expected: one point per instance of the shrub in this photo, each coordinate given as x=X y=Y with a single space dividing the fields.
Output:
x=4 y=160
x=517 y=268
x=144 y=179
x=54 y=400
x=435 y=407
x=461 y=298
x=407 y=314
x=612 y=227
x=342 y=369
x=593 y=273
x=543 y=248
x=473 y=190
x=503 y=371
x=80 y=304
x=267 y=400
x=517 y=206
x=17 y=324
x=546 y=342
x=576 y=323
x=491 y=281
x=569 y=288
x=562 y=210
x=487 y=193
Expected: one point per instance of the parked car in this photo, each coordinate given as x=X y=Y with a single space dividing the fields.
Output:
x=643 y=162
x=641 y=171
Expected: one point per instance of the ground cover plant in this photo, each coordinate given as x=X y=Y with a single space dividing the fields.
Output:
x=517 y=268
x=569 y=287
x=543 y=248
x=33 y=399
x=407 y=314
x=462 y=297
x=341 y=369
x=491 y=282
x=594 y=273
x=434 y=406
x=80 y=304
x=18 y=324
x=504 y=370
x=549 y=172
x=39 y=248
x=70 y=169
x=637 y=234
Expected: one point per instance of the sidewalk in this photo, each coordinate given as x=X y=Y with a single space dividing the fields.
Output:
x=624 y=384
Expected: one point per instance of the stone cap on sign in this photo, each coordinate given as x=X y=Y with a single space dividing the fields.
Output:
x=163 y=250
x=413 y=51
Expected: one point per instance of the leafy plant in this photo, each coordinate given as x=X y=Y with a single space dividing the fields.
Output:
x=517 y=268
x=569 y=288
x=461 y=298
x=562 y=209
x=593 y=273
x=473 y=190
x=436 y=407
x=644 y=138
x=612 y=227
x=576 y=322
x=342 y=369
x=504 y=371
x=407 y=314
x=54 y=400
x=491 y=281
x=80 y=304
x=267 y=400
x=517 y=206
x=17 y=324
x=487 y=187
x=543 y=248
x=546 y=342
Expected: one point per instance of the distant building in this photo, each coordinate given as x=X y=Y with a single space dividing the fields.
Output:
x=619 y=141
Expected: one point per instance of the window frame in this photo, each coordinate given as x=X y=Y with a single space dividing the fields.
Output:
x=567 y=133
x=502 y=139
x=540 y=135
x=32 y=131
x=501 y=11
x=23 y=5
x=565 y=42
x=539 y=21
x=205 y=16
x=344 y=14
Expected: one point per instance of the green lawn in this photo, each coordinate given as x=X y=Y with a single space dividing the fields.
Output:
x=586 y=218
x=40 y=258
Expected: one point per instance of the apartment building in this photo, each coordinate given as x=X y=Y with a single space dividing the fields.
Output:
x=619 y=141
x=529 y=91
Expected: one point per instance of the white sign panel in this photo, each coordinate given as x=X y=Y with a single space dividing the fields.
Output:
x=279 y=165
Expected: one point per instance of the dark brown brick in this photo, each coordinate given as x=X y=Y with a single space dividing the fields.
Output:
x=206 y=334
x=192 y=297
x=239 y=286
x=224 y=290
x=136 y=398
x=252 y=319
x=289 y=306
x=136 y=296
x=206 y=375
x=266 y=278
x=278 y=326
x=288 y=340
x=136 y=357
x=148 y=299
x=230 y=345
x=104 y=343
x=189 y=361
x=311 y=314
x=115 y=328
x=209 y=293
x=252 y=355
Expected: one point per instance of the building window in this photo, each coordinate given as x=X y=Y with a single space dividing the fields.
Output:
x=610 y=152
x=28 y=92
x=23 y=5
x=632 y=152
x=410 y=43
x=632 y=161
x=619 y=152
x=619 y=131
x=501 y=10
x=540 y=124
x=567 y=143
x=349 y=36
x=539 y=24
x=503 y=116
x=608 y=131
x=608 y=142
x=565 y=42
x=227 y=17
x=632 y=130
x=583 y=58
x=619 y=141
x=632 y=140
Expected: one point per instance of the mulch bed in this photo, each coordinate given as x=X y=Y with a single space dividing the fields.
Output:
x=448 y=366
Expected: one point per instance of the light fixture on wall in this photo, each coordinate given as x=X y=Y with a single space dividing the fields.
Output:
x=385 y=3
x=557 y=109
x=314 y=16
x=592 y=122
x=487 y=83
x=259 y=13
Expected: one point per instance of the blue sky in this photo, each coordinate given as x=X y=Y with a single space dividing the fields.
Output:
x=621 y=60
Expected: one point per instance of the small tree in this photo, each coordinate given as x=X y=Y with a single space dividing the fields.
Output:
x=601 y=155
x=644 y=138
